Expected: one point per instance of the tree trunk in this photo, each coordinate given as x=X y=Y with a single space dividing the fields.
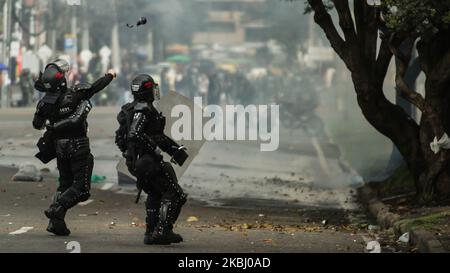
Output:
x=435 y=179
x=431 y=172
x=434 y=58
x=392 y=121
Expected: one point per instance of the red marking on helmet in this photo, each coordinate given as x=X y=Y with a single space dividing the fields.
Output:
x=148 y=85
x=59 y=75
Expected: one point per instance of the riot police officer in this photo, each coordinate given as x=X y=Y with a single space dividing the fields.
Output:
x=63 y=112
x=141 y=139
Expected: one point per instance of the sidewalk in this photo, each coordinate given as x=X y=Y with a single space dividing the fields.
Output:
x=428 y=227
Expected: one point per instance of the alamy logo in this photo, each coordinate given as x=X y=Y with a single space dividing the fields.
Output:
x=74 y=247
x=236 y=123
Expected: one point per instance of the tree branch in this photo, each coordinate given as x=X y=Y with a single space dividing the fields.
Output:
x=384 y=58
x=372 y=17
x=407 y=93
x=359 y=11
x=367 y=20
x=346 y=21
x=323 y=19
x=368 y=76
x=404 y=59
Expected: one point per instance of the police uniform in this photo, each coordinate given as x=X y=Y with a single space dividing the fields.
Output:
x=63 y=112
x=141 y=139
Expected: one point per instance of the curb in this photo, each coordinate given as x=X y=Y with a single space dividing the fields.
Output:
x=425 y=241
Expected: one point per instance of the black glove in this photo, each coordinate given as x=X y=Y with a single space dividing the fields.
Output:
x=180 y=156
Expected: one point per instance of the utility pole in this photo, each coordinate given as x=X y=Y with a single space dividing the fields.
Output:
x=26 y=21
x=52 y=30
x=115 y=40
x=85 y=28
x=75 y=38
x=33 y=26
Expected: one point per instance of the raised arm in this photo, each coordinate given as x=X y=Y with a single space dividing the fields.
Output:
x=100 y=84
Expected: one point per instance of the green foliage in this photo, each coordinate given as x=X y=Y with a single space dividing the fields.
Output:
x=416 y=16
x=430 y=222
x=411 y=16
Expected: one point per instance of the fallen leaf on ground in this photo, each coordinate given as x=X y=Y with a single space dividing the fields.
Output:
x=192 y=219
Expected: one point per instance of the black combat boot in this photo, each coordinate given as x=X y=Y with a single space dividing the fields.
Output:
x=56 y=213
x=163 y=233
x=58 y=227
x=151 y=221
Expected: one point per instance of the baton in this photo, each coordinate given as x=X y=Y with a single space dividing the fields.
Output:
x=138 y=197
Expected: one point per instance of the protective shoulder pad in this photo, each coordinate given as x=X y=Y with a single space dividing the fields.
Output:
x=127 y=107
x=82 y=87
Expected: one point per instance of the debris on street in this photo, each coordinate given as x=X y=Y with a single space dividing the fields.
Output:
x=28 y=173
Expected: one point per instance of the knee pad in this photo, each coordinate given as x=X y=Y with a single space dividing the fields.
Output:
x=72 y=197
x=176 y=196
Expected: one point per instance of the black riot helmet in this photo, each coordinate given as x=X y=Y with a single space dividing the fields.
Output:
x=54 y=76
x=144 y=87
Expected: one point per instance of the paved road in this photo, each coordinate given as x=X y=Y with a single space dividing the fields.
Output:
x=244 y=200
x=113 y=223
